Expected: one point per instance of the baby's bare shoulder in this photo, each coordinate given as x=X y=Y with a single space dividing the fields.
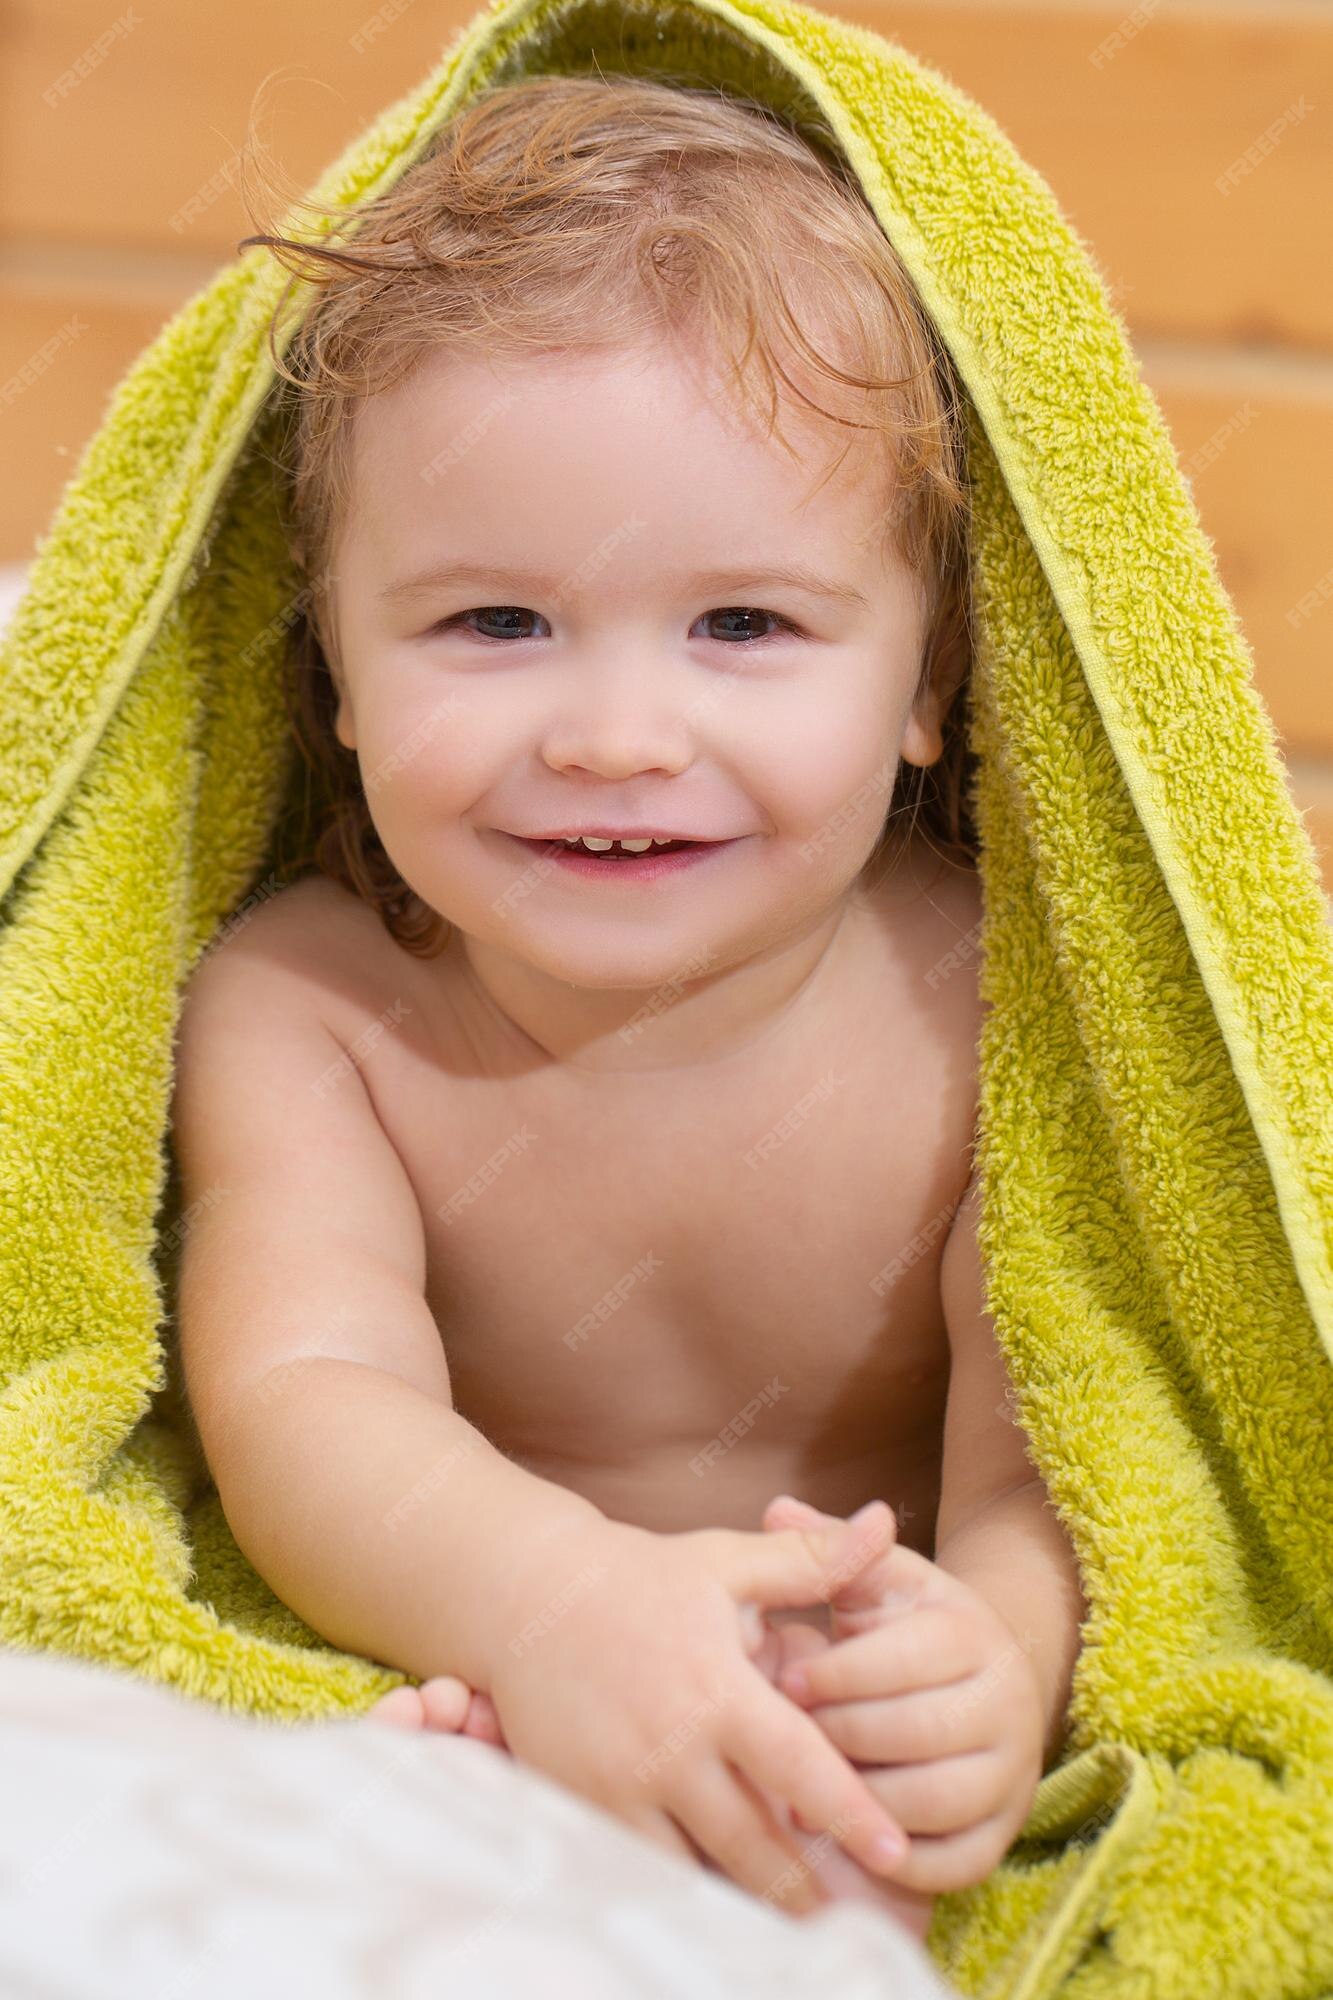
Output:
x=285 y=956
x=305 y=930
x=344 y=966
x=313 y=910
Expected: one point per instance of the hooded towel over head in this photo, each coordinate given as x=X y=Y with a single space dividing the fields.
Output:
x=1155 y=1139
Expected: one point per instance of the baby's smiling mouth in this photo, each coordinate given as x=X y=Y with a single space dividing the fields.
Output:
x=636 y=856
x=618 y=849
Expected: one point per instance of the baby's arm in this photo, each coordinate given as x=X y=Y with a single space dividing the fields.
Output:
x=935 y=1660
x=314 y=1370
x=996 y=1529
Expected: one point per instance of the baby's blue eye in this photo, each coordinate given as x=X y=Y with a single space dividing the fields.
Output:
x=513 y=611
x=752 y=611
x=485 y=610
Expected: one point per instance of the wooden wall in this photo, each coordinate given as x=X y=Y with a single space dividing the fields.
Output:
x=1189 y=141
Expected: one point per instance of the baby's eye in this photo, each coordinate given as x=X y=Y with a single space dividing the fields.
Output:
x=751 y=611
x=503 y=611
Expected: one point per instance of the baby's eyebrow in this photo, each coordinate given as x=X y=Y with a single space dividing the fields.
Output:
x=737 y=576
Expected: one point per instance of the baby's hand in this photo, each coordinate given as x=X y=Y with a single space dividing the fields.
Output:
x=924 y=1677
x=770 y=1647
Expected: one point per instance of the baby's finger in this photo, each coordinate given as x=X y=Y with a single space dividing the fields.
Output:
x=934 y=1864
x=483 y=1721
x=794 y=1566
x=910 y=1728
x=796 y=1643
x=929 y=1648
x=860 y=1594
x=948 y=1795
x=777 y=1649
x=721 y=1811
x=766 y=1657
x=784 y=1510
x=786 y=1753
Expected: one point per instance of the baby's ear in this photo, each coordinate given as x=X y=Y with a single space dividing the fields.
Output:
x=344 y=725
x=923 y=733
x=344 y=721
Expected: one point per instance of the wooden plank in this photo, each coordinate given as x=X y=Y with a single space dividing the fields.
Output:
x=1134 y=134
x=63 y=348
x=1188 y=144
x=133 y=137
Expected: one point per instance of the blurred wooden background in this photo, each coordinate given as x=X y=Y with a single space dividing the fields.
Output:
x=1188 y=141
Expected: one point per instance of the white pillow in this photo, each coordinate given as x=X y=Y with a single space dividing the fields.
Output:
x=151 y=1844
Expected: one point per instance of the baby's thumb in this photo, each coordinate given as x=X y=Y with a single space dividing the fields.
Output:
x=786 y=1511
x=864 y=1588
x=809 y=1564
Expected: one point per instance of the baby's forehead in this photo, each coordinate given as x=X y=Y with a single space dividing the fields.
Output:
x=673 y=444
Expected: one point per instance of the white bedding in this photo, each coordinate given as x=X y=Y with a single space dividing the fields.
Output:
x=156 y=1848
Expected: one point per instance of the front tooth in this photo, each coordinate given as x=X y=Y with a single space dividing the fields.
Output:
x=595 y=846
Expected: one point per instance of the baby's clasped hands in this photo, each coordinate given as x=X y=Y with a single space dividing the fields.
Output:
x=641 y=1693
x=929 y=1693
x=922 y=1687
x=450 y=1704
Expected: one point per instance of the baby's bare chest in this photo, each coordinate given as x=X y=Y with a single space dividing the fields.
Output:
x=676 y=1298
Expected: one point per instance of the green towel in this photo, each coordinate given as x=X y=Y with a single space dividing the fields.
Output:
x=1156 y=1133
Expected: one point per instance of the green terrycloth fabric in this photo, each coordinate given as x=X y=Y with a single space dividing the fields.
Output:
x=1156 y=1136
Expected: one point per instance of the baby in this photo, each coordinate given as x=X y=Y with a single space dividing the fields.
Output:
x=596 y=1116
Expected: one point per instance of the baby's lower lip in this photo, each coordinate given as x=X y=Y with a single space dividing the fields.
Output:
x=651 y=866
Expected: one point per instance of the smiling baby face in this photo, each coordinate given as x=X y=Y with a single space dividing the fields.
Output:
x=618 y=648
